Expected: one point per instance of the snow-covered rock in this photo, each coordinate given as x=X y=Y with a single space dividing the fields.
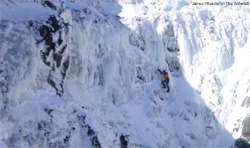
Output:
x=83 y=73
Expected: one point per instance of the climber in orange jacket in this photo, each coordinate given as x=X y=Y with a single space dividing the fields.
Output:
x=166 y=79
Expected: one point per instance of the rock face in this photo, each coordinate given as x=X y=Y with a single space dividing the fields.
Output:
x=83 y=73
x=241 y=143
x=46 y=133
x=55 y=35
x=246 y=128
x=124 y=141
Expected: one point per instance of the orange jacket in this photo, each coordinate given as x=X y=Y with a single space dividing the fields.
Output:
x=165 y=75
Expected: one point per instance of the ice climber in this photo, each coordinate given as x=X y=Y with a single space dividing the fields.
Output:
x=166 y=79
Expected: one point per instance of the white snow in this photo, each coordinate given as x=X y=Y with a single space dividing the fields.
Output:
x=24 y=11
x=115 y=48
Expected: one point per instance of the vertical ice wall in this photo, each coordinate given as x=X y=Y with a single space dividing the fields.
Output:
x=213 y=44
x=91 y=79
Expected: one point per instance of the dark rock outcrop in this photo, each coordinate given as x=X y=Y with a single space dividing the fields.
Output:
x=124 y=140
x=49 y=4
x=246 y=128
x=54 y=34
x=241 y=143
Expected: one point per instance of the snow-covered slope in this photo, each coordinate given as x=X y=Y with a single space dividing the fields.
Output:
x=218 y=50
x=83 y=73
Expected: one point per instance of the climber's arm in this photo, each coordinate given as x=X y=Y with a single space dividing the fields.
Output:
x=159 y=70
